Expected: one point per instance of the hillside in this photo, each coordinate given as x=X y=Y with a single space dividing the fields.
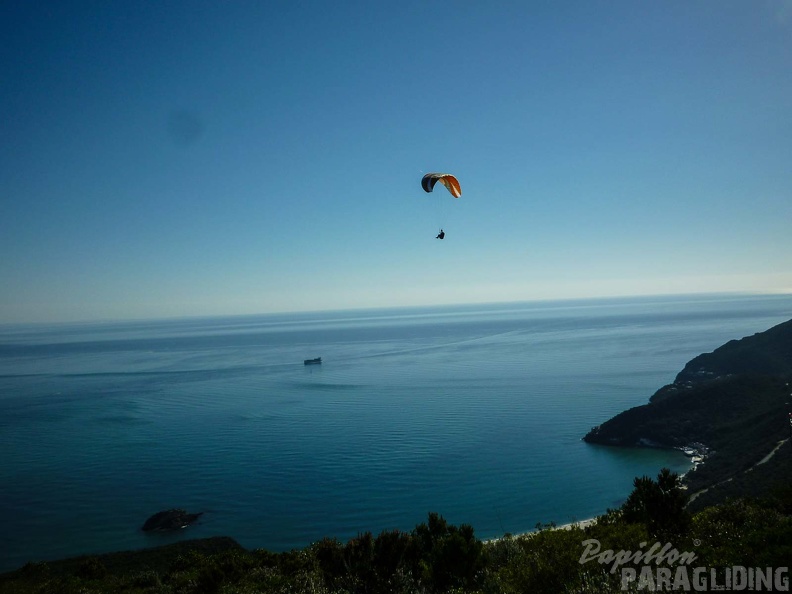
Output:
x=732 y=403
x=766 y=353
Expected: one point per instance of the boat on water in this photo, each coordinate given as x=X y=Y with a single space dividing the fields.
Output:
x=317 y=361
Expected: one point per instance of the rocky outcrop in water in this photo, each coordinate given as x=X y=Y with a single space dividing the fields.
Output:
x=171 y=519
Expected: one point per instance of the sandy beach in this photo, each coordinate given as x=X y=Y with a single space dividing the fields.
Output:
x=579 y=524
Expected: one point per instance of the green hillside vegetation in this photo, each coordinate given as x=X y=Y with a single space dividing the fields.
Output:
x=438 y=557
x=765 y=353
x=766 y=478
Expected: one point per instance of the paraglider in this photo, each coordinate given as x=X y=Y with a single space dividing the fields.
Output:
x=449 y=181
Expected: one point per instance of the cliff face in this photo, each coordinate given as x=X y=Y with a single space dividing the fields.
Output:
x=734 y=400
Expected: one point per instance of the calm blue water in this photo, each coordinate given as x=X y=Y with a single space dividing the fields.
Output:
x=473 y=412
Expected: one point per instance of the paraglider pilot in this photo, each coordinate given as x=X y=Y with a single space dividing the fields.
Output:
x=449 y=181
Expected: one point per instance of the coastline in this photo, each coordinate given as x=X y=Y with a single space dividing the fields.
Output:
x=582 y=524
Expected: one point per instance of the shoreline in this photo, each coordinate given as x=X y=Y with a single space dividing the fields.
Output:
x=582 y=524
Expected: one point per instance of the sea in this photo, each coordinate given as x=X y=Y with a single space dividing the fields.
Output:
x=474 y=412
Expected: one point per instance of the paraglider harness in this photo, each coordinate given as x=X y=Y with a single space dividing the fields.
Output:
x=440 y=235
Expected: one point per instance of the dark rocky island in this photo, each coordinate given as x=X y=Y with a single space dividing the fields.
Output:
x=729 y=407
x=172 y=519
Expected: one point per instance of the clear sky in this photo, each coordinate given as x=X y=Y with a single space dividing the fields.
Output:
x=206 y=158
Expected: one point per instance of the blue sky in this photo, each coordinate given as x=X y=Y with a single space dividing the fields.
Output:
x=206 y=158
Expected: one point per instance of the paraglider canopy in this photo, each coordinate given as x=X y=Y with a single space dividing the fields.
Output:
x=449 y=181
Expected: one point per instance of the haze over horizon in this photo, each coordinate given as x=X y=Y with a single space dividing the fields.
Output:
x=196 y=159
